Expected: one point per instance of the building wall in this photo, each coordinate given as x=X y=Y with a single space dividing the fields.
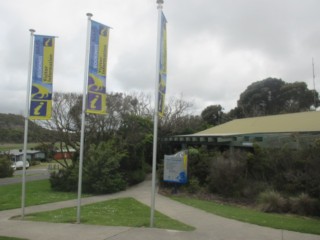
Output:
x=285 y=140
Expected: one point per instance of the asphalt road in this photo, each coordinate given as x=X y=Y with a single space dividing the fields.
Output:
x=31 y=175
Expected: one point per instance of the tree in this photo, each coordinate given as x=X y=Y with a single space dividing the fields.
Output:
x=235 y=113
x=274 y=96
x=101 y=171
x=5 y=167
x=296 y=97
x=178 y=120
x=128 y=124
x=212 y=114
x=135 y=135
x=260 y=98
x=65 y=122
x=119 y=107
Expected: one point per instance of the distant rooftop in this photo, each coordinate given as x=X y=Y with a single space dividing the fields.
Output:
x=17 y=152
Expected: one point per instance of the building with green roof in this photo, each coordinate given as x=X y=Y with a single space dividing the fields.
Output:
x=292 y=130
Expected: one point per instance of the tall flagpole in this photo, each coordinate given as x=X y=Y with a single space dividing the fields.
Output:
x=314 y=87
x=84 y=103
x=156 y=112
x=26 y=124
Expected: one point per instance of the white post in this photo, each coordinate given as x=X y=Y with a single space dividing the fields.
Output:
x=83 y=115
x=26 y=123
x=314 y=87
x=156 y=112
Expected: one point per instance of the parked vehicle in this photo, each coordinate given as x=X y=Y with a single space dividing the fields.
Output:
x=19 y=165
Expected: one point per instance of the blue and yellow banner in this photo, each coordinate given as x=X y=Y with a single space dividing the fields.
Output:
x=42 y=76
x=162 y=66
x=96 y=96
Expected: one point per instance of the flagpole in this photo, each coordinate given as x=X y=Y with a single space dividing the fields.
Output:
x=26 y=124
x=156 y=112
x=83 y=115
x=314 y=87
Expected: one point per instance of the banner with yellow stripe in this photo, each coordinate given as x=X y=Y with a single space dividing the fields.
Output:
x=42 y=77
x=162 y=66
x=96 y=96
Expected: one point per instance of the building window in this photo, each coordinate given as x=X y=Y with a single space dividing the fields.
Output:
x=258 y=139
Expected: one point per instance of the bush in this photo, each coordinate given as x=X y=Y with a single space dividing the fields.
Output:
x=193 y=185
x=5 y=167
x=287 y=170
x=135 y=176
x=101 y=170
x=304 y=205
x=199 y=165
x=253 y=188
x=64 y=180
x=227 y=174
x=132 y=164
x=100 y=175
x=272 y=201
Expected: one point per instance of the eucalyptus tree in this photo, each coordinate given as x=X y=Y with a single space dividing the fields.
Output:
x=274 y=96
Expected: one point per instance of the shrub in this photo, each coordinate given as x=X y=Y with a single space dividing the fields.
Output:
x=253 y=188
x=135 y=176
x=64 y=179
x=227 y=174
x=272 y=201
x=5 y=167
x=132 y=163
x=304 y=205
x=290 y=171
x=101 y=172
x=199 y=165
x=193 y=185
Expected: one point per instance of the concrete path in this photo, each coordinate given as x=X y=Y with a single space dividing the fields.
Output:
x=208 y=226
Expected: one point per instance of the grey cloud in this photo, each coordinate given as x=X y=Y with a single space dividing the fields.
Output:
x=215 y=48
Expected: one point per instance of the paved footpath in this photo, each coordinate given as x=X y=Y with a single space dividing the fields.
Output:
x=208 y=226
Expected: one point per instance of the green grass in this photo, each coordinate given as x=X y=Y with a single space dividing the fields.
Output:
x=279 y=221
x=37 y=192
x=118 y=212
x=9 y=146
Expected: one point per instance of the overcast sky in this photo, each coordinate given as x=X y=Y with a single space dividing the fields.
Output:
x=216 y=48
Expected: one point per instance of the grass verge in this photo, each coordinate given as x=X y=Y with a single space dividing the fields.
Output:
x=279 y=221
x=37 y=192
x=9 y=146
x=126 y=212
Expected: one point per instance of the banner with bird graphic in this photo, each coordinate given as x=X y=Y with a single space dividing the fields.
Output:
x=96 y=96
x=42 y=77
x=162 y=66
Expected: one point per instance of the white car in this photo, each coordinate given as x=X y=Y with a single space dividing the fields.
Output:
x=19 y=165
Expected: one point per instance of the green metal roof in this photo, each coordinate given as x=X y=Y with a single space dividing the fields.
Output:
x=283 y=123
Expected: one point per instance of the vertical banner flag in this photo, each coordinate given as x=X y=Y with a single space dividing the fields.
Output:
x=96 y=101
x=175 y=168
x=42 y=75
x=162 y=66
